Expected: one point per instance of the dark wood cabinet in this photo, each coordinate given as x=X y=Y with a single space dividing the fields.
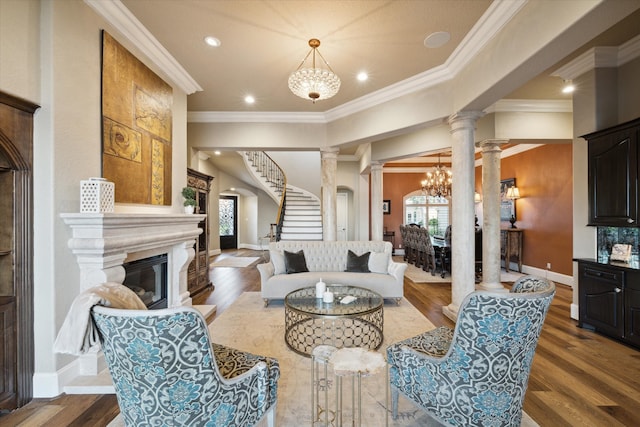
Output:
x=16 y=251
x=632 y=312
x=198 y=272
x=613 y=175
x=609 y=299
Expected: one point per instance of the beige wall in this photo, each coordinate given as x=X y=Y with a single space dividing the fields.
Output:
x=20 y=48
x=50 y=54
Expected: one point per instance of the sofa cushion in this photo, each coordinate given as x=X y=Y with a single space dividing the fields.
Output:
x=277 y=259
x=357 y=263
x=295 y=262
x=379 y=262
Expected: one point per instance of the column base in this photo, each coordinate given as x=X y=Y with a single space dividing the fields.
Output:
x=493 y=287
x=451 y=311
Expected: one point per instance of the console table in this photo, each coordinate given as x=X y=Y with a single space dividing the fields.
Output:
x=511 y=247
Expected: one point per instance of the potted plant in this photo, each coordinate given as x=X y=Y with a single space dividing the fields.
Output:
x=189 y=195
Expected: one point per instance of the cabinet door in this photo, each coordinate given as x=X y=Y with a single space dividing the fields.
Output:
x=601 y=299
x=613 y=172
x=632 y=312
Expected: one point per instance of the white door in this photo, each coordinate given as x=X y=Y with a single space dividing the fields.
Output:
x=342 y=213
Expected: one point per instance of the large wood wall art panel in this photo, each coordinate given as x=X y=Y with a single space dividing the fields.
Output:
x=136 y=127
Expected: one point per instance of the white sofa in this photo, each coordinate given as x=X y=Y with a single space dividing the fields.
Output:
x=328 y=261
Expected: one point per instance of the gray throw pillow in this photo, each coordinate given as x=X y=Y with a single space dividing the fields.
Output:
x=295 y=262
x=358 y=264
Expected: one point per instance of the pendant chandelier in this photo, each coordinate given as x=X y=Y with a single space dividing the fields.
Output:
x=438 y=181
x=314 y=83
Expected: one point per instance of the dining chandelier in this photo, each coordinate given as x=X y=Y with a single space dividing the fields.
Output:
x=314 y=83
x=438 y=181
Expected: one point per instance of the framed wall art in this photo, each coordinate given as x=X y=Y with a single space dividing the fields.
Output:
x=136 y=127
x=386 y=207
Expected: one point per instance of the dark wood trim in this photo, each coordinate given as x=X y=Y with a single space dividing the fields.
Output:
x=16 y=146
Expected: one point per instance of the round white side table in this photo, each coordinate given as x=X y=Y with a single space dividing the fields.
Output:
x=355 y=363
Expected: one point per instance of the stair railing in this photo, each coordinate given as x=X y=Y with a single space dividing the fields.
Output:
x=275 y=177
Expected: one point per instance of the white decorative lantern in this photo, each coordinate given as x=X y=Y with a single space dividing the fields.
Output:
x=97 y=195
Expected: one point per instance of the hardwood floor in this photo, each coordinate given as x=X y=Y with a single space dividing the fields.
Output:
x=578 y=378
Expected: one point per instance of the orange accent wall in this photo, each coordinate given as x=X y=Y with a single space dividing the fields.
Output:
x=544 y=176
x=394 y=187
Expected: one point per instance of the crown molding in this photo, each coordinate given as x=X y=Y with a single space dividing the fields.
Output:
x=117 y=14
x=531 y=106
x=254 y=117
x=629 y=50
x=490 y=23
x=600 y=57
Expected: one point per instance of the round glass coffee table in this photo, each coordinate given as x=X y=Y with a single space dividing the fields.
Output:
x=309 y=322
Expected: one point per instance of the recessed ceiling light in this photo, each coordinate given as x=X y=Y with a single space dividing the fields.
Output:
x=249 y=99
x=217 y=153
x=212 y=41
x=362 y=76
x=568 y=87
x=437 y=39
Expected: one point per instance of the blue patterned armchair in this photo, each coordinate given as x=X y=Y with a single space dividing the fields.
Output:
x=166 y=371
x=477 y=373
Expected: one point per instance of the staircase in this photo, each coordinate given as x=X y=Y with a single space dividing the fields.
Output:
x=302 y=217
x=299 y=216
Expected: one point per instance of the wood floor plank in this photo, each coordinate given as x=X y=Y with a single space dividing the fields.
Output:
x=575 y=412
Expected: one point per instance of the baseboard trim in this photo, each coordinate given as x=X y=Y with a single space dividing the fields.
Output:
x=575 y=311
x=547 y=274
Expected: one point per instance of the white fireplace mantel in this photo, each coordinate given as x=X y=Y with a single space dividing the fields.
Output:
x=102 y=242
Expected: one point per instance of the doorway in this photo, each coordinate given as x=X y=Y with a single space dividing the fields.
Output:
x=342 y=216
x=228 y=208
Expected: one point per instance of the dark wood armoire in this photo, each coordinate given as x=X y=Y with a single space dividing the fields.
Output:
x=16 y=251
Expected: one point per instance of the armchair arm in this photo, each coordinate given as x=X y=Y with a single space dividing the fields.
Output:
x=266 y=271
x=397 y=269
x=247 y=371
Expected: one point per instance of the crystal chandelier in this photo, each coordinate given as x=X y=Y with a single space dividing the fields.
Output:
x=314 y=83
x=438 y=181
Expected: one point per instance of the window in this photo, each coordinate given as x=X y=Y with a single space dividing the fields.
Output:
x=430 y=212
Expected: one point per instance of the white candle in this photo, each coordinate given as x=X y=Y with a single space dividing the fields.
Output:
x=321 y=287
x=328 y=296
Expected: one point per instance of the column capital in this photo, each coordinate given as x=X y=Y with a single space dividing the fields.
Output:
x=329 y=153
x=464 y=120
x=375 y=165
x=488 y=145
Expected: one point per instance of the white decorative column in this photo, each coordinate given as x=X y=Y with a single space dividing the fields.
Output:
x=376 y=202
x=329 y=163
x=462 y=216
x=491 y=215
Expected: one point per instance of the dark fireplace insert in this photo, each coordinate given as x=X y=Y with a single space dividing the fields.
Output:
x=148 y=279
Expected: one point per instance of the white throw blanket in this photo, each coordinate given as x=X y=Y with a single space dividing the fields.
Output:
x=78 y=334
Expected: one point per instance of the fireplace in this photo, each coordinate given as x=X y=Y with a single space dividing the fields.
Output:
x=106 y=245
x=148 y=279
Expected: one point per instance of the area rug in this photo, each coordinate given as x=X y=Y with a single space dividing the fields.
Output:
x=236 y=261
x=249 y=326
